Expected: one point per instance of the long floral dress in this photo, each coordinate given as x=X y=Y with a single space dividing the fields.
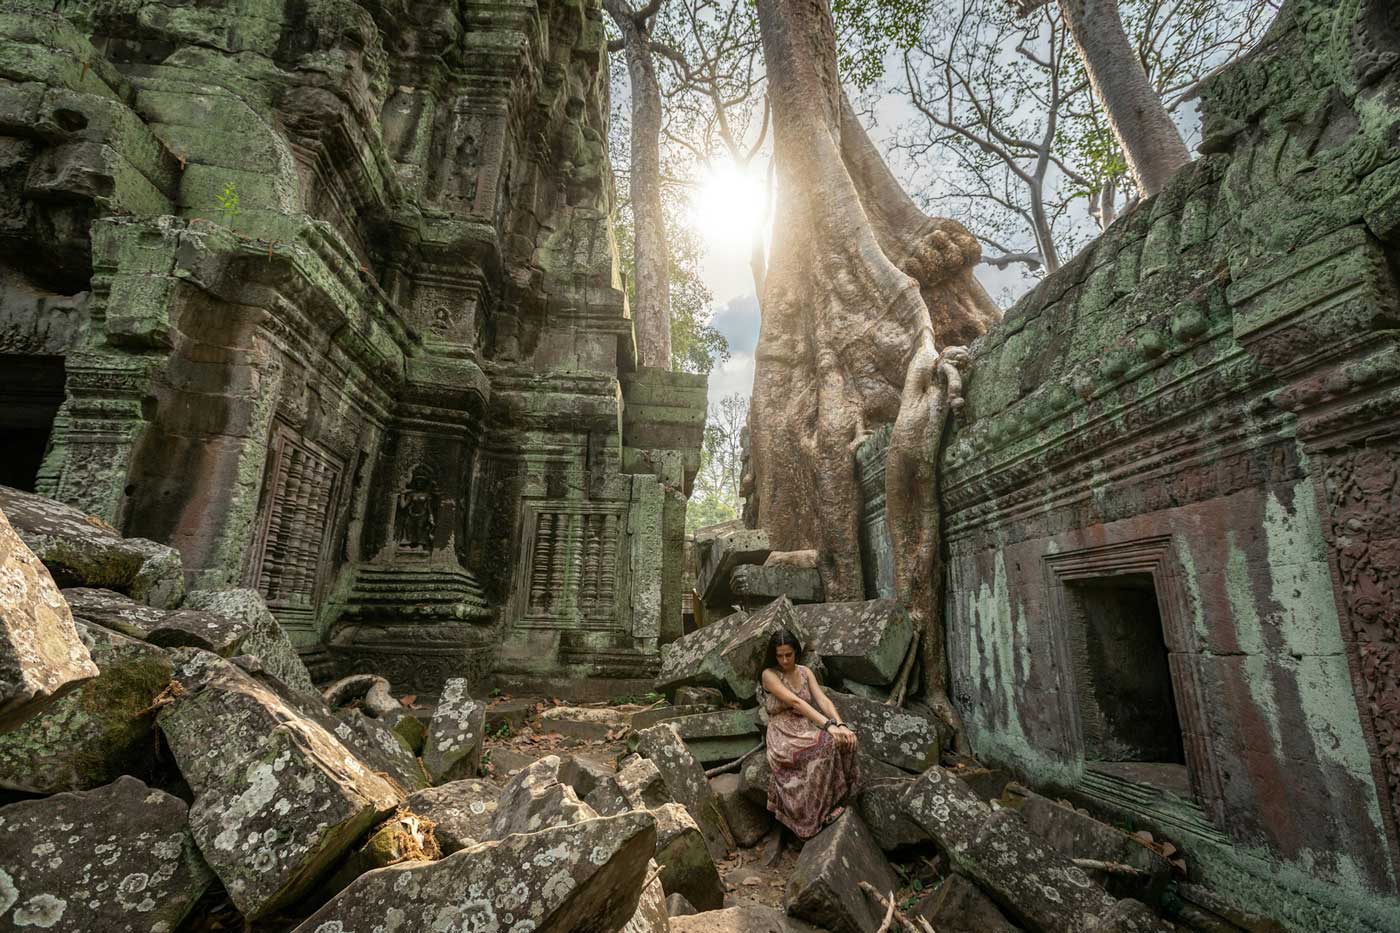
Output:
x=811 y=772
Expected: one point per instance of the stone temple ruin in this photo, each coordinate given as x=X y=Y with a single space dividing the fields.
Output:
x=317 y=382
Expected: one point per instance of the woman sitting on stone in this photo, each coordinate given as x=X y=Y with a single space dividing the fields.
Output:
x=811 y=752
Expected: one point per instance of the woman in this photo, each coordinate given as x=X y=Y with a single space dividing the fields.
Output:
x=811 y=752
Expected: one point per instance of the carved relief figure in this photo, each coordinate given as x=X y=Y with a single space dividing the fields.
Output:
x=416 y=520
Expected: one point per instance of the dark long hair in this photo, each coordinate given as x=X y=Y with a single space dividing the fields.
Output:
x=781 y=637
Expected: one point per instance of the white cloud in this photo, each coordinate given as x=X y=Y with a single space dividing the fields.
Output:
x=735 y=376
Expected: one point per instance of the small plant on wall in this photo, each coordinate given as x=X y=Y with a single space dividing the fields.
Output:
x=228 y=203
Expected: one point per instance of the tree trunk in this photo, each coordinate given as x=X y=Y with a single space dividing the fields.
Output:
x=651 y=253
x=861 y=289
x=1145 y=132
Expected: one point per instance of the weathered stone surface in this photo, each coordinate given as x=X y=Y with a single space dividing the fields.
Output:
x=959 y=906
x=510 y=714
x=587 y=876
x=678 y=906
x=693 y=660
x=825 y=884
x=880 y=803
x=369 y=691
x=636 y=786
x=686 y=783
x=720 y=736
x=744 y=919
x=583 y=774
x=1130 y=916
x=266 y=640
x=411 y=730
x=278 y=798
x=83 y=551
x=748 y=821
x=452 y=749
x=1036 y=886
x=118 y=859
x=536 y=799
x=651 y=915
x=377 y=746
x=582 y=722
x=753 y=585
x=698 y=696
x=746 y=650
x=727 y=551
x=946 y=808
x=168 y=628
x=645 y=719
x=900 y=737
x=865 y=641
x=41 y=655
x=1078 y=835
x=95 y=733
x=462 y=811
x=686 y=865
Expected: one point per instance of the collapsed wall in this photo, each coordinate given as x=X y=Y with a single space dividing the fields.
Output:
x=1172 y=501
x=326 y=297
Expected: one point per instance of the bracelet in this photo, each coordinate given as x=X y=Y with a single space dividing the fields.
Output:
x=826 y=726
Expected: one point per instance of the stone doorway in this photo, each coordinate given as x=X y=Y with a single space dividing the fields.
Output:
x=1123 y=683
x=31 y=390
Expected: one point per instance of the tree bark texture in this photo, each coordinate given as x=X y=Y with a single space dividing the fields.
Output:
x=861 y=291
x=1149 y=139
x=651 y=253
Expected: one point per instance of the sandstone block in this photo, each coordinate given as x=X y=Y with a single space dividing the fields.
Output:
x=864 y=640
x=901 y=737
x=693 y=660
x=720 y=736
x=686 y=783
x=648 y=718
x=377 y=746
x=278 y=798
x=462 y=811
x=748 y=821
x=509 y=713
x=946 y=808
x=1130 y=916
x=651 y=915
x=880 y=804
x=825 y=884
x=636 y=786
x=686 y=865
x=96 y=733
x=1037 y=887
x=168 y=628
x=536 y=799
x=753 y=585
x=41 y=655
x=678 y=906
x=452 y=749
x=745 y=919
x=585 y=876
x=119 y=858
x=959 y=906
x=1078 y=835
x=581 y=722
x=265 y=641
x=698 y=696
x=583 y=774
x=82 y=551
x=746 y=650
x=727 y=551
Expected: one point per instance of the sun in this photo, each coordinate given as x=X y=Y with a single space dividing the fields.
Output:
x=729 y=205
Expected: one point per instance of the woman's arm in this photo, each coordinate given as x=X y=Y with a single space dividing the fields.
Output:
x=774 y=685
x=841 y=733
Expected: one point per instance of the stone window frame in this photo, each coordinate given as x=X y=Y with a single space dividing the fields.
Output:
x=1155 y=557
x=521 y=613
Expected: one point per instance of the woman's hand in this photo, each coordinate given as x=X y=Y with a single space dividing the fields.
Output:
x=844 y=737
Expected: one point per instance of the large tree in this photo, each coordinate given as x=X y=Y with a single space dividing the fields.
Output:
x=863 y=299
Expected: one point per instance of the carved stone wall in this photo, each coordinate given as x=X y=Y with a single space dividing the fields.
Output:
x=1206 y=399
x=333 y=293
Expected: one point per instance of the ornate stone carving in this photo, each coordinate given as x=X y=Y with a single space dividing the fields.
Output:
x=573 y=559
x=304 y=483
x=415 y=520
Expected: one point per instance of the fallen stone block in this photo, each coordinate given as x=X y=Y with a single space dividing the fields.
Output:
x=678 y=906
x=637 y=785
x=80 y=550
x=536 y=799
x=880 y=804
x=698 y=696
x=99 y=731
x=986 y=783
x=748 y=821
x=41 y=656
x=745 y=919
x=585 y=876
x=506 y=762
x=452 y=749
x=512 y=714
x=727 y=551
x=686 y=783
x=721 y=736
x=168 y=628
x=651 y=915
x=865 y=640
x=409 y=729
x=118 y=858
x=265 y=641
x=1037 y=887
x=686 y=865
x=462 y=811
x=746 y=651
x=825 y=884
x=582 y=722
x=1078 y=835
x=959 y=906
x=648 y=718
x=946 y=808
x=583 y=774
x=1130 y=916
x=865 y=691
x=693 y=660
x=751 y=585
x=278 y=797
x=377 y=746
x=900 y=737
